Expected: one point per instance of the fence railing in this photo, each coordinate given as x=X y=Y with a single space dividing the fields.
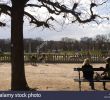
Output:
x=56 y=58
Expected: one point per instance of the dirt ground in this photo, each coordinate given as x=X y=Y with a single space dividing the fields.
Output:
x=49 y=77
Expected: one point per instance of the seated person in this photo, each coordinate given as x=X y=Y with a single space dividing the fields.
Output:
x=106 y=73
x=88 y=72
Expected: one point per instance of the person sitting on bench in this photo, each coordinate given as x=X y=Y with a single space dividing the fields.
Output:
x=106 y=73
x=88 y=72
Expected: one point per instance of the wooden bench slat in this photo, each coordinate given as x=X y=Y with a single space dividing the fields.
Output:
x=95 y=69
x=84 y=80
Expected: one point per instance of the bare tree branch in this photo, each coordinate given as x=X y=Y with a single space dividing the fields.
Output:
x=33 y=5
x=5 y=9
x=37 y=22
x=57 y=8
x=2 y=24
x=102 y=3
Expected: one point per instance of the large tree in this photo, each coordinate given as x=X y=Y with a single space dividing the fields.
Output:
x=16 y=9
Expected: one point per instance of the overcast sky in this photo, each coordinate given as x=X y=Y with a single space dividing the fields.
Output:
x=75 y=30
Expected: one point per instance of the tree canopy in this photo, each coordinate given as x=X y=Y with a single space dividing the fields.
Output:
x=65 y=8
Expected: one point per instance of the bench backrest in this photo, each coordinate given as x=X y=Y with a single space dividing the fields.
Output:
x=95 y=69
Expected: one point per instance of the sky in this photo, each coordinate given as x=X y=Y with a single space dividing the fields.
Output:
x=75 y=30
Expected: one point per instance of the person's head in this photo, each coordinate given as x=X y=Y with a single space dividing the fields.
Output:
x=86 y=61
x=107 y=60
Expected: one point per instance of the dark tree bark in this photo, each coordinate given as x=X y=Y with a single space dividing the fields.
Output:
x=18 y=80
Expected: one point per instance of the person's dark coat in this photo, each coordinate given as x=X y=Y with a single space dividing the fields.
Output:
x=88 y=71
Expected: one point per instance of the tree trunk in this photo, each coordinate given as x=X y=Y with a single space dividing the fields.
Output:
x=18 y=80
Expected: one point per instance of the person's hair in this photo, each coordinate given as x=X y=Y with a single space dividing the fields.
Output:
x=86 y=61
x=107 y=60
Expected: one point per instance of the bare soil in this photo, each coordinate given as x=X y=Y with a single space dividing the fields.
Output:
x=49 y=77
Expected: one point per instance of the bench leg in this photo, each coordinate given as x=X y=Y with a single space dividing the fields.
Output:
x=79 y=81
x=79 y=85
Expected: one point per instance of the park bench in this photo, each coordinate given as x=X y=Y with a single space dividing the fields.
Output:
x=80 y=79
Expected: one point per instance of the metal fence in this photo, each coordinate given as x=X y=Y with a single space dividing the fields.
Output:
x=56 y=58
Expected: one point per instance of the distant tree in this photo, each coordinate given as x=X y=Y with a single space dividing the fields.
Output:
x=38 y=39
x=86 y=43
x=101 y=41
x=66 y=39
x=17 y=9
x=108 y=36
